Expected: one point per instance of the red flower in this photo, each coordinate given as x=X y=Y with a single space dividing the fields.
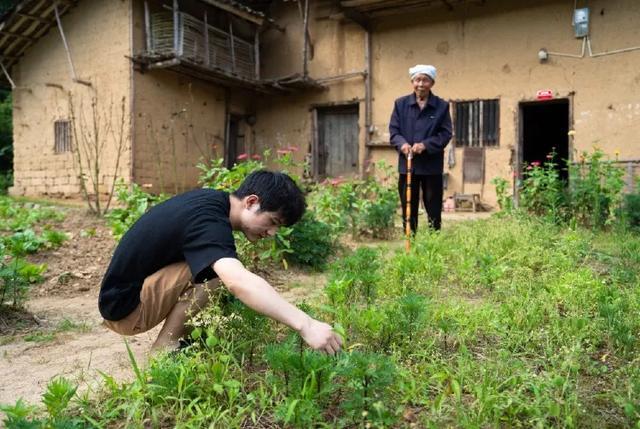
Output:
x=242 y=157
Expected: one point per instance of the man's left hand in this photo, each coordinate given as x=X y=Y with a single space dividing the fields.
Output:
x=418 y=148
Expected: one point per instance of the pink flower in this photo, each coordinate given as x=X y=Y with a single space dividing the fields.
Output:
x=529 y=167
x=256 y=157
x=535 y=163
x=242 y=157
x=515 y=174
x=283 y=151
x=293 y=148
x=549 y=156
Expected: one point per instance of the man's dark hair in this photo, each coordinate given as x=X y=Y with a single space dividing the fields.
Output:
x=277 y=193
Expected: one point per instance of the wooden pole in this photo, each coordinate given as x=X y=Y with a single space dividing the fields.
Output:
x=407 y=213
x=233 y=48
x=147 y=27
x=176 y=29
x=74 y=76
x=207 y=55
x=256 y=52
x=6 y=74
x=305 y=54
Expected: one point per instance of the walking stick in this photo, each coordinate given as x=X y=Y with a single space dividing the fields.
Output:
x=407 y=211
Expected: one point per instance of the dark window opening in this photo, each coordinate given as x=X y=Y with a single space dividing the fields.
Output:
x=476 y=123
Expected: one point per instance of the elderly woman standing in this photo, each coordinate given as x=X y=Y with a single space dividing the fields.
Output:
x=421 y=124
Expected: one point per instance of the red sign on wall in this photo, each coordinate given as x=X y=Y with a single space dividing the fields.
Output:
x=544 y=94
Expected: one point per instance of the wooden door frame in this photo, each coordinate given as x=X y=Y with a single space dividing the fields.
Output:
x=519 y=147
x=315 y=137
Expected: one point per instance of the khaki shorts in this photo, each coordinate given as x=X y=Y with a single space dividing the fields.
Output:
x=160 y=293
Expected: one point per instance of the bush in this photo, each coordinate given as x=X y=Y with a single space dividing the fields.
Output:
x=6 y=181
x=542 y=192
x=16 y=277
x=363 y=207
x=135 y=203
x=593 y=197
x=595 y=190
x=312 y=242
x=631 y=210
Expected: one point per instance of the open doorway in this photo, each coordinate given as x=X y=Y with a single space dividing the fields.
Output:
x=234 y=143
x=544 y=129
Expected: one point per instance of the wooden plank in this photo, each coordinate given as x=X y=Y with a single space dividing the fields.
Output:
x=233 y=49
x=207 y=54
x=18 y=35
x=33 y=17
x=147 y=27
x=473 y=165
x=305 y=61
x=176 y=30
x=256 y=54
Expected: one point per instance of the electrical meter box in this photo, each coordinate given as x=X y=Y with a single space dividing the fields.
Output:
x=581 y=22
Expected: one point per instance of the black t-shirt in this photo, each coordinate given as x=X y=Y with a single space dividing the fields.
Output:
x=192 y=227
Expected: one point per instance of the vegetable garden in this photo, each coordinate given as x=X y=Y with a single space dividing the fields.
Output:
x=526 y=319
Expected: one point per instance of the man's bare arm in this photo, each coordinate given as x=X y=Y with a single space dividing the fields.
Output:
x=257 y=294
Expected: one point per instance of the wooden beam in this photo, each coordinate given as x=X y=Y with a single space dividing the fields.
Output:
x=305 y=55
x=33 y=17
x=176 y=29
x=18 y=35
x=66 y=45
x=233 y=49
x=147 y=27
x=207 y=54
x=256 y=53
x=6 y=74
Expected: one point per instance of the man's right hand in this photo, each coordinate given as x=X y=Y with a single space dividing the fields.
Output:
x=405 y=148
x=320 y=336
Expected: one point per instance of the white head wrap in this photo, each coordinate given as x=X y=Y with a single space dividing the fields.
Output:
x=429 y=70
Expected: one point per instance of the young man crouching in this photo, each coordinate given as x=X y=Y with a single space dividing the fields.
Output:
x=166 y=264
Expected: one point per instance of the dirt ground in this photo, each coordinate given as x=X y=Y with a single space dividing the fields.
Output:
x=61 y=333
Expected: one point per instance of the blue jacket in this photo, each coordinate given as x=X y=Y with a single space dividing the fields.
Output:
x=431 y=126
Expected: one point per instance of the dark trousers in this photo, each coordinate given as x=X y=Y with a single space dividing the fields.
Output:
x=431 y=186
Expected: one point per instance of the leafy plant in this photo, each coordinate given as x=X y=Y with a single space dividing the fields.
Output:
x=505 y=201
x=363 y=207
x=16 y=276
x=311 y=242
x=367 y=383
x=360 y=273
x=596 y=186
x=542 y=191
x=134 y=203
